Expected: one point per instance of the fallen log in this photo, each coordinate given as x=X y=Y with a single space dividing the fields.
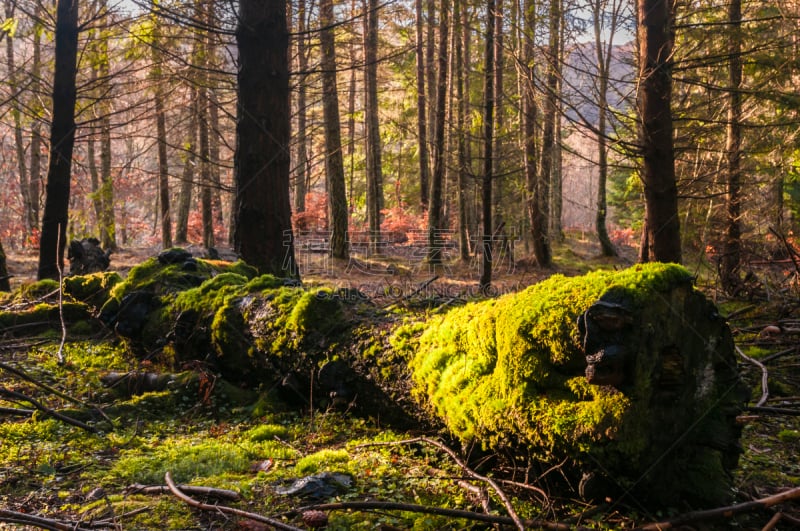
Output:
x=628 y=377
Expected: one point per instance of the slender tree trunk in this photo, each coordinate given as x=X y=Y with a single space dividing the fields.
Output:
x=533 y=195
x=35 y=177
x=263 y=224
x=603 y=56
x=422 y=115
x=374 y=149
x=337 y=198
x=29 y=222
x=156 y=75
x=62 y=140
x=547 y=167
x=499 y=123
x=435 y=225
x=460 y=132
x=301 y=165
x=658 y=172
x=187 y=178
x=556 y=176
x=731 y=255
x=351 y=117
x=488 y=141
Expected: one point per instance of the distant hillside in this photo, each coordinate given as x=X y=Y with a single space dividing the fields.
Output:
x=580 y=81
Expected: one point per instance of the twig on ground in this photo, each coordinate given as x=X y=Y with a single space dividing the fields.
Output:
x=224 y=494
x=764 y=377
x=413 y=293
x=724 y=512
x=774 y=410
x=16 y=412
x=60 y=353
x=782 y=353
x=452 y=513
x=502 y=495
x=14 y=517
x=224 y=509
x=44 y=409
x=25 y=376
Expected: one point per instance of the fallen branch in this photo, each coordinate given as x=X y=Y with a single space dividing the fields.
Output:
x=16 y=412
x=773 y=410
x=223 y=494
x=421 y=287
x=44 y=409
x=223 y=509
x=776 y=355
x=502 y=495
x=439 y=511
x=724 y=512
x=13 y=517
x=30 y=379
x=764 y=377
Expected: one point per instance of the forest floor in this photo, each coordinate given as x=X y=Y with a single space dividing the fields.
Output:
x=254 y=459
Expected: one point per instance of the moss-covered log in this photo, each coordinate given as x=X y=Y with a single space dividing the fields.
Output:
x=628 y=378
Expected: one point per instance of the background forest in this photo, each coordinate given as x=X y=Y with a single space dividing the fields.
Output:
x=156 y=110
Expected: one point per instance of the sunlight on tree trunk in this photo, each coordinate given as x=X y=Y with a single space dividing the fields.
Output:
x=435 y=221
x=337 y=197
x=422 y=115
x=488 y=141
x=374 y=155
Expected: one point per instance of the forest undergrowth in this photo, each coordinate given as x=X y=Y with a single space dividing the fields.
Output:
x=204 y=456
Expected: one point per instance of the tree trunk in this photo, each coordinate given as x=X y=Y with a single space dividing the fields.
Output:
x=435 y=222
x=499 y=182
x=604 y=51
x=374 y=164
x=263 y=226
x=548 y=159
x=62 y=140
x=29 y=221
x=655 y=110
x=301 y=164
x=337 y=198
x=187 y=178
x=460 y=132
x=536 y=215
x=156 y=76
x=35 y=177
x=5 y=278
x=422 y=115
x=488 y=141
x=731 y=254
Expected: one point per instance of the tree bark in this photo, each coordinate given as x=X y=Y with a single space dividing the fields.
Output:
x=604 y=51
x=536 y=216
x=488 y=141
x=5 y=279
x=422 y=115
x=29 y=222
x=374 y=148
x=337 y=197
x=548 y=158
x=35 y=177
x=188 y=176
x=62 y=140
x=156 y=76
x=263 y=225
x=731 y=254
x=435 y=214
x=459 y=29
x=301 y=164
x=655 y=112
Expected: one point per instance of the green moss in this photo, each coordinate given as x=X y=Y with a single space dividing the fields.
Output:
x=186 y=460
x=510 y=371
x=267 y=432
x=324 y=460
x=93 y=289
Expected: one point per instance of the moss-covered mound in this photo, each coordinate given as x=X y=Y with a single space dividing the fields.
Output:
x=512 y=373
